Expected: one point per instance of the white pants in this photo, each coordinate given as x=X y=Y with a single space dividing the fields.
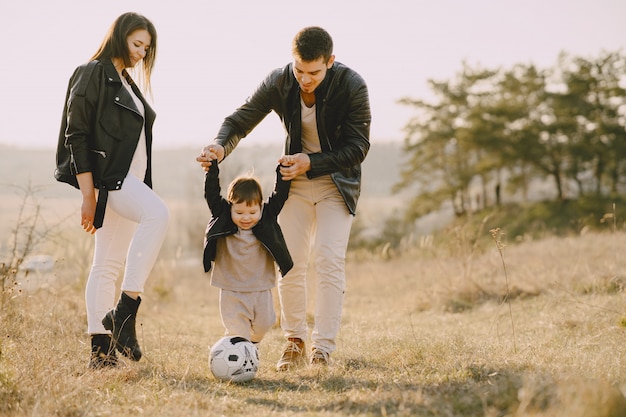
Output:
x=135 y=223
x=315 y=217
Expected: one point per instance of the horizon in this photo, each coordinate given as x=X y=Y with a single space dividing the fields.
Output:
x=174 y=147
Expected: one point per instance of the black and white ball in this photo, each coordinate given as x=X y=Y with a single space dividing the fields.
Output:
x=234 y=358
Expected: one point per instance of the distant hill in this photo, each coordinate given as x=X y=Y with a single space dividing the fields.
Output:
x=178 y=179
x=177 y=174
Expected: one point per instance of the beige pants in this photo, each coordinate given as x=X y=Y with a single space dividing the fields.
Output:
x=247 y=314
x=314 y=220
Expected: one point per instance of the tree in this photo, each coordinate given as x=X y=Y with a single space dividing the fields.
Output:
x=595 y=101
x=514 y=114
x=485 y=127
x=443 y=157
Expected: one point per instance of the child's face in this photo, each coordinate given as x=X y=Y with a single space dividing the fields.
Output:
x=245 y=216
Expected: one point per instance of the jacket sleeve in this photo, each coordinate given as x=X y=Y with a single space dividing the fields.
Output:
x=212 y=191
x=277 y=199
x=352 y=144
x=243 y=120
x=80 y=118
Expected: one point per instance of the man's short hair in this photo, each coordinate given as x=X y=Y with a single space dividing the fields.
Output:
x=312 y=43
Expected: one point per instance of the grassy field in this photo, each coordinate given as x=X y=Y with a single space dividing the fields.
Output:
x=445 y=326
x=444 y=329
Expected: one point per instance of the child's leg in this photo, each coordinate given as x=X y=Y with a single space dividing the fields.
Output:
x=264 y=314
x=236 y=314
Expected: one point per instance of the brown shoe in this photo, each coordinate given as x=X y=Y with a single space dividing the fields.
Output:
x=293 y=355
x=320 y=357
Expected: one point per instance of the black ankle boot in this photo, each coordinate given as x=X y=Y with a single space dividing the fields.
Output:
x=121 y=322
x=102 y=353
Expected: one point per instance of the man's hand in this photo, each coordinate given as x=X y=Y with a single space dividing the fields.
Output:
x=293 y=165
x=208 y=153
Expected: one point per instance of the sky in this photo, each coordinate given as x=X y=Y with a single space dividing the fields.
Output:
x=211 y=55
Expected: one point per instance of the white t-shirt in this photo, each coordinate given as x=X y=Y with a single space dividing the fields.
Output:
x=310 y=143
x=139 y=164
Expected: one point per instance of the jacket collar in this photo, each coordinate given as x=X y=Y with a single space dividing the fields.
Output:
x=110 y=71
x=123 y=96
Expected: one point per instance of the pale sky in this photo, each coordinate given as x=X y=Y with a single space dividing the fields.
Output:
x=212 y=54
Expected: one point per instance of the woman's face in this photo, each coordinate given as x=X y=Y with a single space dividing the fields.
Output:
x=138 y=45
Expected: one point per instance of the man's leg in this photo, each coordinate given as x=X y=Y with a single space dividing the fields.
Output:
x=334 y=222
x=296 y=221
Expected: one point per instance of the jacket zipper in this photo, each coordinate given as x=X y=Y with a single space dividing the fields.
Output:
x=220 y=234
x=73 y=166
x=268 y=249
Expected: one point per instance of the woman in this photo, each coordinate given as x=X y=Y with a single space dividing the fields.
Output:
x=104 y=150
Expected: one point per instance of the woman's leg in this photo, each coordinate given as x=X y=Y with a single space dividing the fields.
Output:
x=139 y=204
x=111 y=245
x=136 y=203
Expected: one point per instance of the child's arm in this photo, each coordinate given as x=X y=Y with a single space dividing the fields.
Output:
x=281 y=191
x=212 y=189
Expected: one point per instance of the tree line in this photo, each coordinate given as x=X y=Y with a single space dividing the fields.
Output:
x=495 y=132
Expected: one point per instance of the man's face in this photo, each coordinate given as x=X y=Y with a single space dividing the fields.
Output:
x=310 y=74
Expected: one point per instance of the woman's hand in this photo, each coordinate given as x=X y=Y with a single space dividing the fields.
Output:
x=87 y=213
x=88 y=208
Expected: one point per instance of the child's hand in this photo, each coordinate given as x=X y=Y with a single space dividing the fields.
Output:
x=209 y=154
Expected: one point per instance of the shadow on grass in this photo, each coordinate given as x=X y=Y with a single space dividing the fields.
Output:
x=474 y=390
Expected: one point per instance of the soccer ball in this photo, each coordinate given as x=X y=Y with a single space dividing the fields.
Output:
x=234 y=358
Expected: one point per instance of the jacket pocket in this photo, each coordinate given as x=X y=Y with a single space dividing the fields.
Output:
x=121 y=124
x=100 y=153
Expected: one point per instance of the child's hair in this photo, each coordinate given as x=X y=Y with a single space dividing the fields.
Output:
x=245 y=189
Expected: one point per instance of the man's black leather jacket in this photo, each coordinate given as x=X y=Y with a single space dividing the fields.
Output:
x=343 y=123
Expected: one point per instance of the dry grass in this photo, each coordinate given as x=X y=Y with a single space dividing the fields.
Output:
x=424 y=334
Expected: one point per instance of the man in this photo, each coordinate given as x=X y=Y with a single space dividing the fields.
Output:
x=324 y=107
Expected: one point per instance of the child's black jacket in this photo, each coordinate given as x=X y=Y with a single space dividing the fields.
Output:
x=266 y=230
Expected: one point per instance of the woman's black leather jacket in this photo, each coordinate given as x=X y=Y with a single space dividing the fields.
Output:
x=100 y=129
